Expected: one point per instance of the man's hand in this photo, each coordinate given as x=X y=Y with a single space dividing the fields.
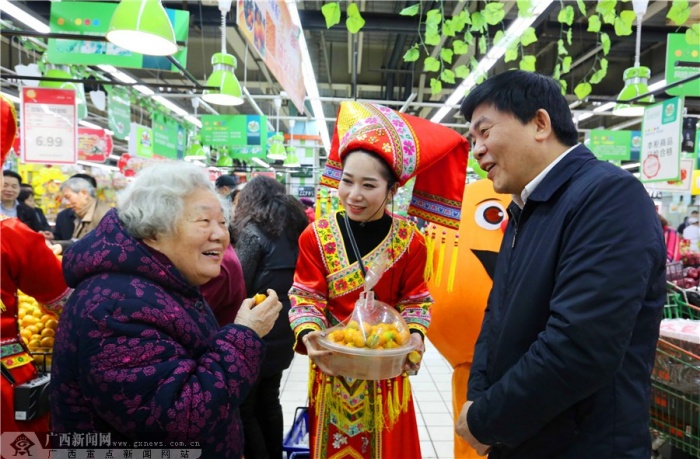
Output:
x=462 y=429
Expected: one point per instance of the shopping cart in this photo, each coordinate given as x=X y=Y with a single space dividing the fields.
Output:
x=296 y=441
x=675 y=407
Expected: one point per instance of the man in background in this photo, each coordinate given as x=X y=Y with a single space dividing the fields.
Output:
x=65 y=220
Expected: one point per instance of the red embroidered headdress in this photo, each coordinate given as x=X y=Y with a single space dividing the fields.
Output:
x=8 y=126
x=413 y=147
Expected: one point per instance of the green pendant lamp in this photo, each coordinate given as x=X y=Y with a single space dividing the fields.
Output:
x=142 y=26
x=195 y=150
x=292 y=158
x=276 y=150
x=637 y=77
x=63 y=71
x=223 y=78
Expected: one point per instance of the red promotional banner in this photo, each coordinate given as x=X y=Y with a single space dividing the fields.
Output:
x=94 y=144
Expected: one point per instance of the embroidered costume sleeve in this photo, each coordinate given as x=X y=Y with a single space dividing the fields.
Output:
x=309 y=292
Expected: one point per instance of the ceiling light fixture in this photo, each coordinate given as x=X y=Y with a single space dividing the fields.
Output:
x=224 y=65
x=307 y=71
x=24 y=17
x=261 y=162
x=142 y=26
x=514 y=32
x=636 y=77
x=276 y=149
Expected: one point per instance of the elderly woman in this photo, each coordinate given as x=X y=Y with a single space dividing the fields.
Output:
x=138 y=352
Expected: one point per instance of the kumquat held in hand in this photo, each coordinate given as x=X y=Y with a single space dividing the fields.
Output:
x=259 y=298
x=380 y=336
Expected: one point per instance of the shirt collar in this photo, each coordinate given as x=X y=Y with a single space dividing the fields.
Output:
x=530 y=187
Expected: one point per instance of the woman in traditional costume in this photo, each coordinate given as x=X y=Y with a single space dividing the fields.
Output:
x=374 y=151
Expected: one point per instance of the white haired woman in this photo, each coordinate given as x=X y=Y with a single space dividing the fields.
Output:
x=138 y=351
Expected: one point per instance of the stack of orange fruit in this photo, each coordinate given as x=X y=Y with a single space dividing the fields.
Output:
x=37 y=326
x=380 y=336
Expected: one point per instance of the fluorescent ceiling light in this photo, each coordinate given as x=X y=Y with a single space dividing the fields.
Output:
x=23 y=17
x=309 y=77
x=513 y=33
x=116 y=73
x=89 y=124
x=101 y=166
x=114 y=157
x=585 y=116
x=144 y=90
x=109 y=131
x=657 y=85
x=193 y=120
x=630 y=166
x=14 y=99
x=173 y=108
x=261 y=162
x=604 y=107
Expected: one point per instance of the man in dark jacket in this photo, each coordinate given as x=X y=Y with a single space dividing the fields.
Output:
x=562 y=366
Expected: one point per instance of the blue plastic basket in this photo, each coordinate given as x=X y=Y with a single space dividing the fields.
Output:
x=291 y=444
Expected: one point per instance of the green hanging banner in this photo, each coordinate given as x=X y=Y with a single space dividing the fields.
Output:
x=610 y=145
x=92 y=18
x=167 y=136
x=679 y=51
x=119 y=113
x=141 y=141
x=245 y=135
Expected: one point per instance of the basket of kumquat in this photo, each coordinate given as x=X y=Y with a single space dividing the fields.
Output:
x=372 y=344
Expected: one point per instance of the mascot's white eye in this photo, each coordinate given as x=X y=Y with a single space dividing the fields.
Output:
x=489 y=214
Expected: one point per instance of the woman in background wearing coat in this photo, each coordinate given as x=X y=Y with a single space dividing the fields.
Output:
x=266 y=227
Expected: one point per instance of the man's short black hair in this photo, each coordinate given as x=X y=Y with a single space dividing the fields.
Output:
x=9 y=173
x=226 y=180
x=521 y=94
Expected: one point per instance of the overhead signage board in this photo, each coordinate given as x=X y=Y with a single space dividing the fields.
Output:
x=661 y=141
x=234 y=131
x=92 y=18
x=610 y=145
x=268 y=27
x=49 y=126
x=679 y=51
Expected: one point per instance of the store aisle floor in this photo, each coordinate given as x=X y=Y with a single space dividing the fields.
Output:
x=432 y=392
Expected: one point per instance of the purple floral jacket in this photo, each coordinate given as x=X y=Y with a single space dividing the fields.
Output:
x=139 y=354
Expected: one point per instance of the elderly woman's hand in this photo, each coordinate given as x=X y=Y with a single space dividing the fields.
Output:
x=262 y=317
x=318 y=354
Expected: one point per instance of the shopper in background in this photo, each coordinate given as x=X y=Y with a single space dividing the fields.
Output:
x=225 y=184
x=82 y=198
x=673 y=241
x=692 y=234
x=684 y=224
x=309 y=208
x=138 y=353
x=374 y=151
x=562 y=366
x=10 y=206
x=26 y=264
x=65 y=219
x=26 y=197
x=266 y=227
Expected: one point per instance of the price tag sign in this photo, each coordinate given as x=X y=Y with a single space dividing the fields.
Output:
x=49 y=126
x=660 y=157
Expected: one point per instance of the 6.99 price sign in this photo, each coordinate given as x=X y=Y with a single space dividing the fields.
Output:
x=49 y=126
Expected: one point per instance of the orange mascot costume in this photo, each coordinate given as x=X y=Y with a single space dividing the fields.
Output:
x=27 y=264
x=459 y=306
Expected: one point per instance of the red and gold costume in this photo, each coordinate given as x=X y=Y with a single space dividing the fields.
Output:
x=369 y=418
x=374 y=419
x=27 y=264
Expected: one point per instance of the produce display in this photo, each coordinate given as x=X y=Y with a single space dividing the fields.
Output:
x=37 y=328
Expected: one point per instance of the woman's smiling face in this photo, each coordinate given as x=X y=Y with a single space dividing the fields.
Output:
x=196 y=248
x=363 y=189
